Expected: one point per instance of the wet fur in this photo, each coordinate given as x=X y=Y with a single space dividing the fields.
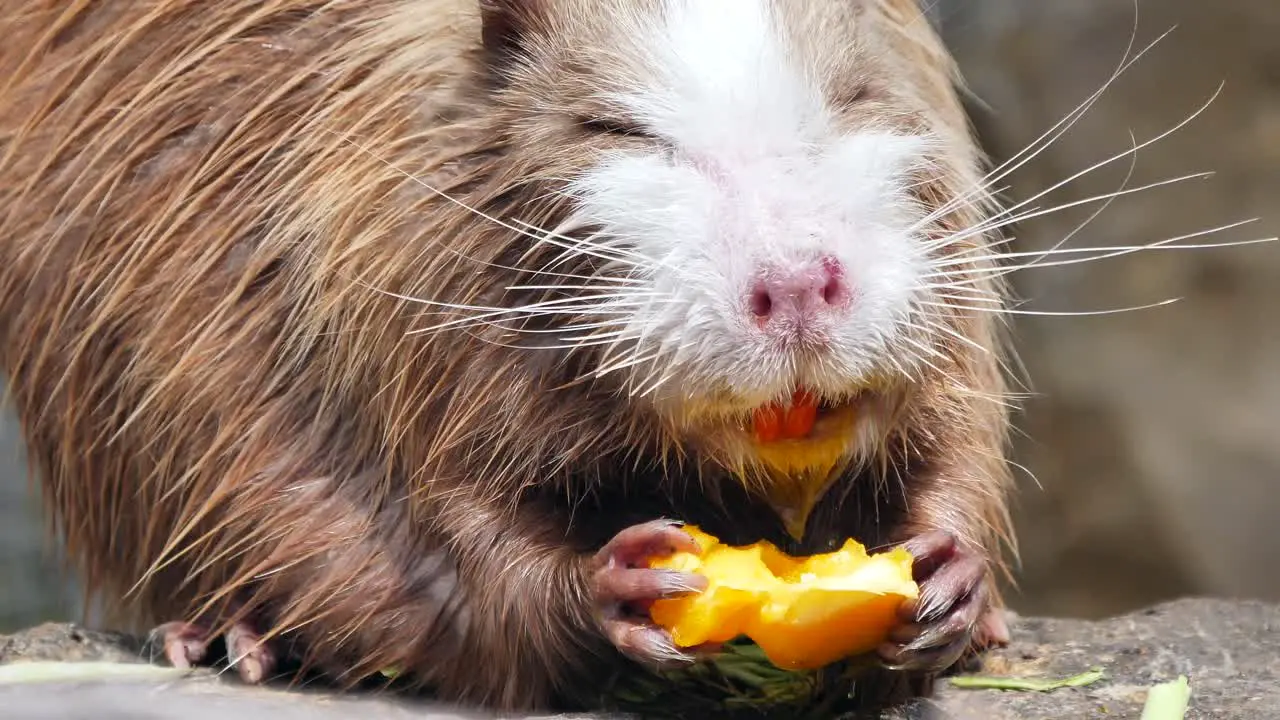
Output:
x=216 y=218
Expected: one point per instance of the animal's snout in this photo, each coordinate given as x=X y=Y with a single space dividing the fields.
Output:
x=790 y=297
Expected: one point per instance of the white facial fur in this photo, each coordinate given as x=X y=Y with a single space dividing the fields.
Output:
x=752 y=170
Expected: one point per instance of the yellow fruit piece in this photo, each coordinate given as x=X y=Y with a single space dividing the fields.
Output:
x=803 y=612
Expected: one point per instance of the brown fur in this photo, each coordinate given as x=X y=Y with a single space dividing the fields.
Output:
x=214 y=216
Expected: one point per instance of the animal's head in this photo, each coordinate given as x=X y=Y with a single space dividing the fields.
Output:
x=741 y=204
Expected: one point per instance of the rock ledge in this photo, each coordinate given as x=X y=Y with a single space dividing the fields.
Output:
x=1227 y=648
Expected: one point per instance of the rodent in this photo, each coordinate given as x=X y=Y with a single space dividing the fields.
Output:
x=397 y=333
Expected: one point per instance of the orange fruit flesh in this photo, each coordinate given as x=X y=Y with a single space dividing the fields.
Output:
x=775 y=422
x=803 y=613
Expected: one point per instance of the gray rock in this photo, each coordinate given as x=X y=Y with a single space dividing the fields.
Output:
x=1228 y=650
x=66 y=642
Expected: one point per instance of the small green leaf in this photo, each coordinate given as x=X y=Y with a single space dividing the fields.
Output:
x=975 y=682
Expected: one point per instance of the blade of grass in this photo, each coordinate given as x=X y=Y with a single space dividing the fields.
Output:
x=976 y=682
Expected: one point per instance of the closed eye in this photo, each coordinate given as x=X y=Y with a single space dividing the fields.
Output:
x=611 y=126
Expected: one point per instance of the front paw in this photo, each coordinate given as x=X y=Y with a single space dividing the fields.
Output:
x=952 y=611
x=625 y=588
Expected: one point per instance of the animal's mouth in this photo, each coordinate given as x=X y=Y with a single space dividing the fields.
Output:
x=805 y=418
x=800 y=442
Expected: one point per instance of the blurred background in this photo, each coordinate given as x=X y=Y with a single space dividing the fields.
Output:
x=1154 y=436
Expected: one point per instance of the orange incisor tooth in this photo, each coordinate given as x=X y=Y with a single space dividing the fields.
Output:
x=768 y=423
x=774 y=422
x=800 y=417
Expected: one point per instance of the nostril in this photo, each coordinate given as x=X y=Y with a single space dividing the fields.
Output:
x=834 y=293
x=761 y=301
x=834 y=290
x=802 y=291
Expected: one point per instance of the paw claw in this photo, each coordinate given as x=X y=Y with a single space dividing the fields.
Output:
x=186 y=645
x=637 y=585
x=635 y=545
x=993 y=629
x=896 y=657
x=625 y=587
x=249 y=654
x=940 y=634
x=645 y=643
x=940 y=625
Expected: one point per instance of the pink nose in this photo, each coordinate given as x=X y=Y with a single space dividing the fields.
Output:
x=800 y=292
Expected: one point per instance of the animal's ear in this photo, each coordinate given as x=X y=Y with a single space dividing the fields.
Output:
x=505 y=23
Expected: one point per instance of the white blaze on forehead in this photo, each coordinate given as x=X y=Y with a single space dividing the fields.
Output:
x=723 y=73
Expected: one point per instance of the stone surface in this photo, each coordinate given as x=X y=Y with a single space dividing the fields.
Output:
x=1228 y=650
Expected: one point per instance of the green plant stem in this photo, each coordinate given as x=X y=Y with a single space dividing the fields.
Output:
x=975 y=682
x=1168 y=701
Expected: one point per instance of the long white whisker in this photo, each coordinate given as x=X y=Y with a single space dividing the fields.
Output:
x=894 y=362
x=1082 y=313
x=926 y=348
x=604 y=370
x=615 y=331
x=658 y=383
x=918 y=358
x=539 y=305
x=516 y=288
x=997 y=221
x=1118 y=156
x=550 y=238
x=574 y=247
x=586 y=242
x=966 y=298
x=1105 y=252
x=555 y=307
x=570 y=347
x=1133 y=163
x=937 y=326
x=1070 y=119
x=606 y=310
x=649 y=385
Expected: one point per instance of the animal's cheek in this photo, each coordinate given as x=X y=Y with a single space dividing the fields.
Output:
x=640 y=181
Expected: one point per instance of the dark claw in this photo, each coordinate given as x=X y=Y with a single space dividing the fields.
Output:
x=930 y=551
x=624 y=587
x=993 y=630
x=896 y=657
x=186 y=645
x=634 y=546
x=646 y=643
x=958 y=583
x=638 y=585
x=252 y=658
x=940 y=625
